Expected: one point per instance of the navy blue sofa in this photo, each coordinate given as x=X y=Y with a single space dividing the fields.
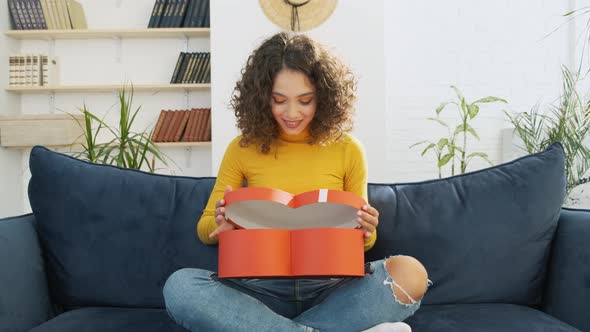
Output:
x=101 y=242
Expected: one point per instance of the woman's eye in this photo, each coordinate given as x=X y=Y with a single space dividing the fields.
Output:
x=306 y=101
x=278 y=101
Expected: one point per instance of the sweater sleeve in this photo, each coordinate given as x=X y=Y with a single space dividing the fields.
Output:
x=230 y=173
x=355 y=177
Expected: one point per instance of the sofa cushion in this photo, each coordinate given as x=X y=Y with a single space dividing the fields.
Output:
x=483 y=236
x=111 y=319
x=112 y=236
x=24 y=298
x=484 y=318
x=567 y=290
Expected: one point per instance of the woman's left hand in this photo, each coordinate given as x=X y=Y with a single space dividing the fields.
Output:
x=368 y=219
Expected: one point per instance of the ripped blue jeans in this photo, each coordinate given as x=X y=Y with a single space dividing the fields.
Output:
x=199 y=301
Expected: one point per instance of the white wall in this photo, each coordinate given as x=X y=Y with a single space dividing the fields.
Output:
x=11 y=171
x=485 y=48
x=406 y=59
x=239 y=26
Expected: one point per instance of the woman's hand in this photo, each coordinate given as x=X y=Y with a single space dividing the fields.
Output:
x=222 y=224
x=368 y=219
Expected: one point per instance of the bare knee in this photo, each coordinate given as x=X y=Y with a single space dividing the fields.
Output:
x=409 y=275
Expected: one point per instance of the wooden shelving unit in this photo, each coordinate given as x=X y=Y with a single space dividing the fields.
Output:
x=108 y=33
x=107 y=88
x=59 y=130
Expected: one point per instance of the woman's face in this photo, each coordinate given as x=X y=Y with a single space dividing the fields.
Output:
x=293 y=101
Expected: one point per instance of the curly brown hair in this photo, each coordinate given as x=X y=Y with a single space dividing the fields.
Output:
x=335 y=90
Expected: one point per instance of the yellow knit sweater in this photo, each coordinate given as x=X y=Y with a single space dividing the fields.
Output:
x=292 y=165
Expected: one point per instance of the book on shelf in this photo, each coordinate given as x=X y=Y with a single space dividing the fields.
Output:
x=76 y=13
x=278 y=234
x=192 y=67
x=192 y=125
x=179 y=14
x=46 y=14
x=33 y=70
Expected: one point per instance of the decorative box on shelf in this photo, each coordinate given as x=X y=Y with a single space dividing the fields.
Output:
x=40 y=129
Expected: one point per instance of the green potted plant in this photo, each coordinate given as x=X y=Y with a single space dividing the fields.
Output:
x=126 y=148
x=453 y=147
x=567 y=121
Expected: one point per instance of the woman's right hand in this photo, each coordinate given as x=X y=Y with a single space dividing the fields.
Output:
x=222 y=224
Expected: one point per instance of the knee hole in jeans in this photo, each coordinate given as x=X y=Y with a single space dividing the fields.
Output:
x=407 y=278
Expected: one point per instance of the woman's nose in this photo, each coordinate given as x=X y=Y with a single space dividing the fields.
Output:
x=292 y=111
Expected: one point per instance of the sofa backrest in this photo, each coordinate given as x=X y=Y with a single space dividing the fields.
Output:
x=483 y=236
x=112 y=236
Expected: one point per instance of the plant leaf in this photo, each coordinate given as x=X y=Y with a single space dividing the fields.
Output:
x=478 y=154
x=490 y=99
x=472 y=131
x=439 y=121
x=464 y=107
x=445 y=160
x=442 y=143
x=430 y=146
x=419 y=143
x=473 y=110
x=442 y=106
x=457 y=92
x=459 y=129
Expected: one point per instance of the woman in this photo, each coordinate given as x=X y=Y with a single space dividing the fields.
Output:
x=294 y=107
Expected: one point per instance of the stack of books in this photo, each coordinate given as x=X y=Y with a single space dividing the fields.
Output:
x=180 y=14
x=192 y=67
x=46 y=14
x=183 y=126
x=33 y=70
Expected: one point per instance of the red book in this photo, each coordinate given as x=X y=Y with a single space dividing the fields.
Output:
x=193 y=131
x=186 y=137
x=278 y=234
x=165 y=125
x=170 y=130
x=182 y=125
x=200 y=127
x=158 y=127
x=206 y=124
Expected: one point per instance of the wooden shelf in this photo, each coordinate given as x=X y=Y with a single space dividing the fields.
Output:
x=181 y=144
x=33 y=117
x=22 y=131
x=107 y=88
x=109 y=33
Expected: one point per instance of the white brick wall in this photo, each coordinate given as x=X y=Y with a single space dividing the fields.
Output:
x=485 y=48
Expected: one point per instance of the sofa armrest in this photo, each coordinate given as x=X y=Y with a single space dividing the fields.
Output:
x=24 y=297
x=568 y=281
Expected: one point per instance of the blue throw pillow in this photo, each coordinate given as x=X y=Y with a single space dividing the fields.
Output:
x=112 y=236
x=483 y=236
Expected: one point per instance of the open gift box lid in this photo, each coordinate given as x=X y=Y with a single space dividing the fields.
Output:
x=256 y=208
x=282 y=235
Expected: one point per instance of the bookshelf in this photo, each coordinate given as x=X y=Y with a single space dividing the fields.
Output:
x=107 y=88
x=108 y=33
x=147 y=33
